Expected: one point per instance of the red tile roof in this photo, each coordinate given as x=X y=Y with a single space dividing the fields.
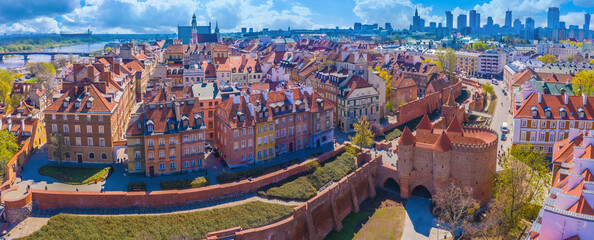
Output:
x=425 y=123
x=554 y=103
x=407 y=137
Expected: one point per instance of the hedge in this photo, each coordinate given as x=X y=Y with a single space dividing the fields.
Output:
x=227 y=177
x=136 y=187
x=184 y=183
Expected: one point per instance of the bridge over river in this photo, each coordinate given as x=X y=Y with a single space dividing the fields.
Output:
x=52 y=54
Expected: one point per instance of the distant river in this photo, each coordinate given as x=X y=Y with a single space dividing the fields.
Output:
x=17 y=61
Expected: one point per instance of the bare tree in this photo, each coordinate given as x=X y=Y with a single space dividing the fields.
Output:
x=453 y=206
x=59 y=146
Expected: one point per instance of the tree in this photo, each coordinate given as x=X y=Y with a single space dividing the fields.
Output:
x=446 y=61
x=389 y=106
x=58 y=146
x=547 y=58
x=592 y=61
x=6 y=80
x=387 y=79
x=44 y=72
x=520 y=187
x=364 y=136
x=453 y=206
x=8 y=148
x=583 y=82
x=570 y=58
x=488 y=88
x=108 y=49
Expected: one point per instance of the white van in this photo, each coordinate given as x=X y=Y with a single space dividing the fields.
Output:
x=504 y=128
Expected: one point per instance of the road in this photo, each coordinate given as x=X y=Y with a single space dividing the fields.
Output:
x=501 y=114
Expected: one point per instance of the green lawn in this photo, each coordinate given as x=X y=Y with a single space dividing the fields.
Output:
x=184 y=183
x=378 y=219
x=74 y=175
x=305 y=186
x=192 y=225
x=32 y=80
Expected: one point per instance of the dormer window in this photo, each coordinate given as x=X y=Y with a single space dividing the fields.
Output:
x=548 y=113
x=534 y=111
x=90 y=102
x=562 y=112
x=171 y=125
x=240 y=116
x=150 y=126
x=581 y=113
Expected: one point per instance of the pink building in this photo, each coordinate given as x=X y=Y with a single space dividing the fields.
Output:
x=568 y=212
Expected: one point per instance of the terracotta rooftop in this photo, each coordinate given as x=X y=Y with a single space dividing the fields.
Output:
x=425 y=123
x=407 y=137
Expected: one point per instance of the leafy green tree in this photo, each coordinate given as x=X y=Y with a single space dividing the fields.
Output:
x=488 y=88
x=446 y=61
x=570 y=58
x=389 y=106
x=583 y=82
x=58 y=146
x=364 y=136
x=6 y=81
x=107 y=49
x=547 y=58
x=520 y=188
x=8 y=148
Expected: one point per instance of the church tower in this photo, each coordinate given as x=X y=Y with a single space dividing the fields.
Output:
x=194 y=39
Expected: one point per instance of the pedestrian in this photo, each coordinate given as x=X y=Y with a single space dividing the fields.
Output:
x=45 y=187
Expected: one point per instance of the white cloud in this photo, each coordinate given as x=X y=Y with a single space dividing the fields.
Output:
x=573 y=18
x=520 y=9
x=397 y=12
x=37 y=25
x=232 y=15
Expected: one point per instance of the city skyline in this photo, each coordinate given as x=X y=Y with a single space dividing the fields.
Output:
x=151 y=16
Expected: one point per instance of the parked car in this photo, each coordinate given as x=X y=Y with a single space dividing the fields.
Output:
x=503 y=137
x=504 y=128
x=494 y=82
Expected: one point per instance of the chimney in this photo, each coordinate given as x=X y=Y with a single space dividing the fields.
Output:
x=22 y=125
x=566 y=98
x=584 y=99
x=539 y=98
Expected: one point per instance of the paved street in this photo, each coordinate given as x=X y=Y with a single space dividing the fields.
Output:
x=419 y=222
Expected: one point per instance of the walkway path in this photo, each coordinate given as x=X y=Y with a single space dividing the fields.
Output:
x=419 y=222
x=40 y=218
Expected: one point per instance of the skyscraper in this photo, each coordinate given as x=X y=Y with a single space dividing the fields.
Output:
x=529 y=23
x=449 y=20
x=508 y=19
x=472 y=18
x=478 y=20
x=586 y=25
x=418 y=23
x=553 y=18
x=461 y=21
x=489 y=21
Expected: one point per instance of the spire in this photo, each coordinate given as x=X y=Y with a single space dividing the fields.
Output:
x=425 y=123
x=407 y=137
x=217 y=27
x=455 y=126
x=416 y=11
x=443 y=143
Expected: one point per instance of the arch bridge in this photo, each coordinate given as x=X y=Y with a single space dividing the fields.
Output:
x=52 y=54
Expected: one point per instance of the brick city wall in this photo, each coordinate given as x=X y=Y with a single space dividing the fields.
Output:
x=427 y=104
x=323 y=213
x=15 y=165
x=118 y=199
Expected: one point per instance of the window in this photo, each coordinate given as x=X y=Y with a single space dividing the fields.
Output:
x=283 y=133
x=65 y=128
x=259 y=141
x=172 y=152
x=104 y=156
x=265 y=127
x=270 y=151
x=91 y=155
x=76 y=118
x=243 y=144
x=236 y=133
x=151 y=142
x=265 y=139
x=236 y=146
x=250 y=143
x=77 y=128
x=65 y=117
x=533 y=124
x=533 y=136
x=550 y=149
x=541 y=137
x=171 y=140
x=304 y=128
x=88 y=118
x=186 y=138
x=137 y=154
x=90 y=141
x=161 y=153
x=151 y=154
x=138 y=165
x=553 y=124
x=187 y=164
x=562 y=124
x=250 y=130
x=78 y=141
x=260 y=128
x=53 y=116
x=161 y=166
x=243 y=132
x=54 y=128
x=242 y=158
x=66 y=141
x=100 y=118
x=161 y=141
x=290 y=131
x=259 y=154
x=543 y=124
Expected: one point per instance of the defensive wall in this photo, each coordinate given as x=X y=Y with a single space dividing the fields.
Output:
x=44 y=199
x=15 y=165
x=320 y=215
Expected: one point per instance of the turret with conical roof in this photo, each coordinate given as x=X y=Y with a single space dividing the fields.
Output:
x=425 y=124
x=455 y=127
x=407 y=137
x=443 y=143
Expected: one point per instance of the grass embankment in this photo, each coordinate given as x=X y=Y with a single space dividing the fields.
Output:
x=75 y=175
x=379 y=218
x=306 y=186
x=492 y=105
x=227 y=177
x=192 y=225
x=184 y=183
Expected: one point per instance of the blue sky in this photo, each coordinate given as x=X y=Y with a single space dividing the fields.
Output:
x=159 y=16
